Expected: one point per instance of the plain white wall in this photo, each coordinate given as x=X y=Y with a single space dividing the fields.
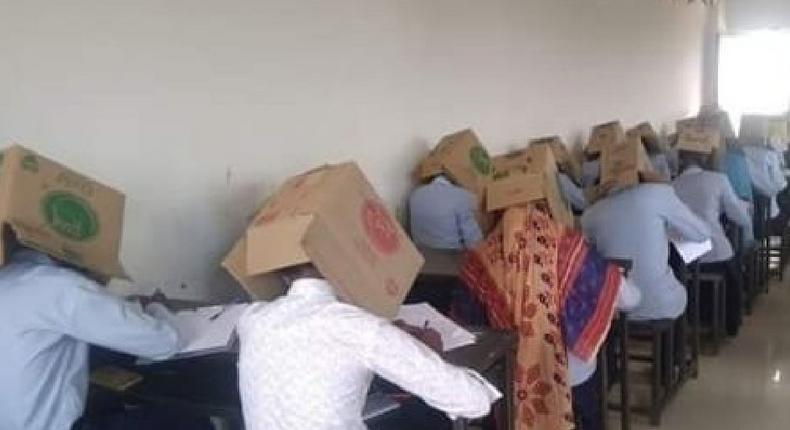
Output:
x=745 y=15
x=196 y=109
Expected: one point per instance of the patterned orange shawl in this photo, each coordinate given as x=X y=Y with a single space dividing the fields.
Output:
x=542 y=280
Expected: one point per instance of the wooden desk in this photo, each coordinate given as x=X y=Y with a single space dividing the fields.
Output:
x=208 y=386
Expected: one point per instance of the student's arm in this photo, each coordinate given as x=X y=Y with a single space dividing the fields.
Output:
x=89 y=313
x=404 y=361
x=736 y=212
x=629 y=296
x=573 y=193
x=468 y=226
x=681 y=220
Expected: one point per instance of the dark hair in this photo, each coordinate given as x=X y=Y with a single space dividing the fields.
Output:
x=292 y=273
x=690 y=159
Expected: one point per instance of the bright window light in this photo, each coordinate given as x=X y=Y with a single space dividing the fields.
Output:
x=754 y=74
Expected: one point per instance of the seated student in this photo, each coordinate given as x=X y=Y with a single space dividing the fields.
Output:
x=765 y=170
x=632 y=222
x=307 y=360
x=442 y=216
x=709 y=195
x=583 y=375
x=591 y=169
x=50 y=313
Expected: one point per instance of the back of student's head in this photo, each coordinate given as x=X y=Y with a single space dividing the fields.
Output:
x=299 y=271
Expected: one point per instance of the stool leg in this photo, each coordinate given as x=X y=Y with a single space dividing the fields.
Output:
x=625 y=387
x=716 y=317
x=655 y=388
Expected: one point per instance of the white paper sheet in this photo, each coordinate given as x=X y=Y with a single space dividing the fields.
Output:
x=453 y=335
x=691 y=251
x=204 y=330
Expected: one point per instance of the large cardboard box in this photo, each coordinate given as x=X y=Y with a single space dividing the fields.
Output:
x=330 y=217
x=60 y=212
x=650 y=138
x=626 y=163
x=463 y=158
x=602 y=135
x=534 y=158
x=767 y=127
x=534 y=180
x=705 y=140
x=565 y=159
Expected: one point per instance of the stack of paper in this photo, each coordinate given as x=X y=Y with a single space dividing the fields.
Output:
x=204 y=330
x=453 y=335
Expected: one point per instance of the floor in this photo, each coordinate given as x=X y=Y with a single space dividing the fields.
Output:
x=748 y=385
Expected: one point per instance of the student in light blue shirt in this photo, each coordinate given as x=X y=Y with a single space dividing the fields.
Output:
x=572 y=193
x=709 y=195
x=49 y=314
x=442 y=216
x=634 y=223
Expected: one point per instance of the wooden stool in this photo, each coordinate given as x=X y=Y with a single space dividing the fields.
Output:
x=661 y=334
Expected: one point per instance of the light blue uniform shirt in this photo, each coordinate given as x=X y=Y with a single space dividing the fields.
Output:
x=48 y=316
x=737 y=169
x=660 y=163
x=572 y=193
x=766 y=171
x=442 y=216
x=591 y=171
x=709 y=195
x=634 y=224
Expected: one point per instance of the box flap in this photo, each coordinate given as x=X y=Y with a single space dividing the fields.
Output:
x=260 y=287
x=277 y=244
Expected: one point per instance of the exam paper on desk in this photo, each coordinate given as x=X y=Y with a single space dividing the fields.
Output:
x=691 y=251
x=204 y=330
x=453 y=335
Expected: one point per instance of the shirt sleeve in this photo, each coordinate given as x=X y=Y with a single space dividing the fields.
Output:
x=682 y=221
x=404 y=361
x=736 y=212
x=468 y=226
x=91 y=314
x=573 y=193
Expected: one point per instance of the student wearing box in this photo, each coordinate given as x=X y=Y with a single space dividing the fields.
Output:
x=442 y=216
x=709 y=195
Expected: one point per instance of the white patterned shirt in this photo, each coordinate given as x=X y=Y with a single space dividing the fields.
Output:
x=307 y=361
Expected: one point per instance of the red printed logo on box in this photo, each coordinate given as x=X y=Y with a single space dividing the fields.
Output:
x=379 y=227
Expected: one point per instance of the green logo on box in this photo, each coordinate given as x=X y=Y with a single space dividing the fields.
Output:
x=30 y=163
x=480 y=160
x=70 y=216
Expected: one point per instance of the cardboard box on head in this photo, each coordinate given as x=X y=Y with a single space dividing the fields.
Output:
x=627 y=164
x=463 y=159
x=650 y=138
x=713 y=117
x=703 y=141
x=764 y=127
x=530 y=182
x=602 y=135
x=333 y=218
x=534 y=158
x=57 y=211
x=565 y=159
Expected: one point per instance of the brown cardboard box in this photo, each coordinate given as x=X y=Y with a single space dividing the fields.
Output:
x=764 y=127
x=650 y=138
x=60 y=212
x=565 y=160
x=537 y=158
x=704 y=141
x=687 y=123
x=332 y=218
x=535 y=179
x=625 y=164
x=463 y=158
x=602 y=135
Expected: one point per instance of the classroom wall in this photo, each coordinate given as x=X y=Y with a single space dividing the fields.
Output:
x=196 y=109
x=745 y=15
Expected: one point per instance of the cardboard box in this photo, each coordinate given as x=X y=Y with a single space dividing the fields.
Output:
x=602 y=135
x=704 y=141
x=565 y=159
x=330 y=217
x=687 y=123
x=626 y=164
x=55 y=210
x=650 y=138
x=463 y=159
x=535 y=159
x=534 y=179
x=767 y=127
